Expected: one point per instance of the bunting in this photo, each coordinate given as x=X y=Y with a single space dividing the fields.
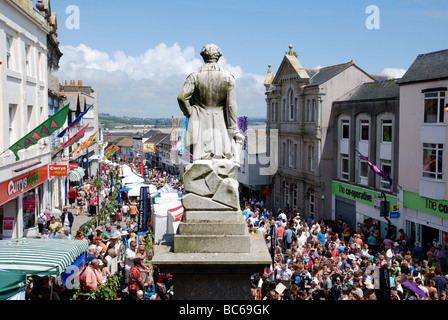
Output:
x=43 y=130
x=78 y=135
x=75 y=122
x=87 y=143
x=375 y=169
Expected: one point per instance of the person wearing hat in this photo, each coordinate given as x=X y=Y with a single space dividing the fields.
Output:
x=135 y=279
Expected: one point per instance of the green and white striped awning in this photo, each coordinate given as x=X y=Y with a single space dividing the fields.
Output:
x=76 y=174
x=40 y=256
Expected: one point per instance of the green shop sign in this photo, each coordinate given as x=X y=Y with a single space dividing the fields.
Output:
x=431 y=206
x=361 y=195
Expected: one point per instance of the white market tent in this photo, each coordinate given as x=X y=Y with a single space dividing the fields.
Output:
x=166 y=197
x=174 y=218
x=132 y=178
x=135 y=189
x=159 y=218
x=22 y=257
x=125 y=170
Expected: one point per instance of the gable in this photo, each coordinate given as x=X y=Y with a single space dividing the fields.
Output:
x=290 y=68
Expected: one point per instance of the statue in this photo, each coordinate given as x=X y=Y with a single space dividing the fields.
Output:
x=208 y=99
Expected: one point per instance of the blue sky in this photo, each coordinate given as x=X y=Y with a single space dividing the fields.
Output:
x=136 y=54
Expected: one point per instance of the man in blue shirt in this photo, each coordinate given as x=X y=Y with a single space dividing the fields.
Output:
x=287 y=237
x=321 y=236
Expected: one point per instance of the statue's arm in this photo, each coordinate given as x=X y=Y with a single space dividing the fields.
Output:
x=185 y=95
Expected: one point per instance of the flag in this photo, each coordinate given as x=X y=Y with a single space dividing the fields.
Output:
x=375 y=169
x=75 y=122
x=87 y=143
x=45 y=129
x=110 y=152
x=78 y=135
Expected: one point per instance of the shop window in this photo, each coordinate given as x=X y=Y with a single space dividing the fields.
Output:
x=29 y=207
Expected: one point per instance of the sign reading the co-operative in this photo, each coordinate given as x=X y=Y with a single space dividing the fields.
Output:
x=436 y=207
x=357 y=194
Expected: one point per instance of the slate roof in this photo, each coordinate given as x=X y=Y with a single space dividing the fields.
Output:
x=427 y=67
x=376 y=90
x=320 y=76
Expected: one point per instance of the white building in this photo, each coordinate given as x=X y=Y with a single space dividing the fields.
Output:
x=423 y=155
x=23 y=106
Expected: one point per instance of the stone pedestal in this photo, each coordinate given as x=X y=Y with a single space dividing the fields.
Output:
x=213 y=255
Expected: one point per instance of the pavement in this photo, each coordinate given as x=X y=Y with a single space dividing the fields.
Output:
x=78 y=221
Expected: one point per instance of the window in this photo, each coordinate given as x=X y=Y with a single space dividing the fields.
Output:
x=344 y=167
x=291 y=104
x=295 y=198
x=27 y=59
x=9 y=44
x=386 y=131
x=311 y=158
x=432 y=160
x=30 y=118
x=274 y=111
x=364 y=130
x=363 y=171
x=312 y=201
x=345 y=129
x=287 y=191
x=313 y=116
x=12 y=122
x=434 y=107
x=290 y=153
x=386 y=167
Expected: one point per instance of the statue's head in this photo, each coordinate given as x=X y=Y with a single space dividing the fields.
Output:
x=211 y=53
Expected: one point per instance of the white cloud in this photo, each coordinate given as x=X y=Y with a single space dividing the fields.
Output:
x=394 y=72
x=147 y=85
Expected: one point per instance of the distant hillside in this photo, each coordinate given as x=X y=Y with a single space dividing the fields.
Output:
x=114 y=122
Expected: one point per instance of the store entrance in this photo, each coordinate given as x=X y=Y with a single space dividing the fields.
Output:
x=428 y=236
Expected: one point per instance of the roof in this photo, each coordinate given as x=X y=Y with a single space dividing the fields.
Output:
x=376 y=90
x=427 y=67
x=158 y=137
x=126 y=142
x=150 y=133
x=40 y=256
x=320 y=76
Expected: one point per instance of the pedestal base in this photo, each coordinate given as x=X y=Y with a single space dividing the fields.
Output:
x=212 y=276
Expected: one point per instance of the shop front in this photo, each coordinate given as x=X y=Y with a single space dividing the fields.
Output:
x=359 y=205
x=426 y=220
x=21 y=200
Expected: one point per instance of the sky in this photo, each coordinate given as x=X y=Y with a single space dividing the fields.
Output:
x=136 y=54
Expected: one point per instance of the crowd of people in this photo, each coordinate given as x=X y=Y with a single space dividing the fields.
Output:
x=311 y=260
x=318 y=260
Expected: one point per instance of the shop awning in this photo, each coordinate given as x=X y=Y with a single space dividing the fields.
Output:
x=40 y=256
x=76 y=174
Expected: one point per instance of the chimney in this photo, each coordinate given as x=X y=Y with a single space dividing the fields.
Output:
x=80 y=83
x=65 y=82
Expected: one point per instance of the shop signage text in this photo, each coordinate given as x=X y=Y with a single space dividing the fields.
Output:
x=431 y=206
x=56 y=170
x=12 y=188
x=358 y=194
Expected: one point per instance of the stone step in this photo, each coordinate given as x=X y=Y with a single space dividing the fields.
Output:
x=208 y=228
x=211 y=243
x=212 y=216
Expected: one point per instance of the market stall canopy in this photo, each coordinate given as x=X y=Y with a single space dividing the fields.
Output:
x=135 y=190
x=76 y=174
x=40 y=256
x=132 y=178
x=125 y=170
